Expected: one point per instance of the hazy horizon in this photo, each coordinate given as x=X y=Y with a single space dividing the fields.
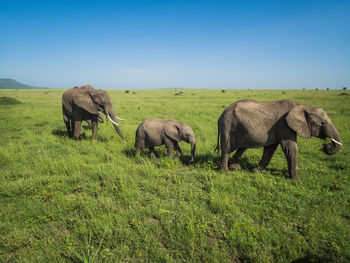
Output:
x=176 y=44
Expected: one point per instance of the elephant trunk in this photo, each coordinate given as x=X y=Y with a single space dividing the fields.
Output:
x=334 y=146
x=193 y=150
x=112 y=116
x=100 y=117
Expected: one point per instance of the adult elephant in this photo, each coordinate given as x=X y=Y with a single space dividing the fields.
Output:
x=86 y=104
x=249 y=124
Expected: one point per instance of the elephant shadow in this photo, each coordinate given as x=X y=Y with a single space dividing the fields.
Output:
x=59 y=132
x=102 y=138
x=130 y=152
x=207 y=160
x=245 y=164
x=213 y=161
x=63 y=133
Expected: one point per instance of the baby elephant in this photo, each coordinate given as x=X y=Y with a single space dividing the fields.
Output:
x=154 y=132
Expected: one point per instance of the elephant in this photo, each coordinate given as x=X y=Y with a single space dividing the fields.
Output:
x=87 y=104
x=251 y=124
x=155 y=132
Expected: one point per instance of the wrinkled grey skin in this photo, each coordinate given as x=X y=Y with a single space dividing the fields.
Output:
x=100 y=119
x=86 y=104
x=155 y=132
x=249 y=124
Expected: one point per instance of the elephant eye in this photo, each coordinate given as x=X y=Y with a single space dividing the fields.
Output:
x=323 y=122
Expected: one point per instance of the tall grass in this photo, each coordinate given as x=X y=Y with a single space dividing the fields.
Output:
x=93 y=201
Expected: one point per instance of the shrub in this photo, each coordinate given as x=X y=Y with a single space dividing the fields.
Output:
x=8 y=101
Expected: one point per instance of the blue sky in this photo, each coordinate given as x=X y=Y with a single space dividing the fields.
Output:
x=189 y=44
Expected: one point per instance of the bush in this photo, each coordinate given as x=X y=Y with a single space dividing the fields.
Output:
x=9 y=101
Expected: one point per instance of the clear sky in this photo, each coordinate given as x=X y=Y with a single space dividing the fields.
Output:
x=190 y=44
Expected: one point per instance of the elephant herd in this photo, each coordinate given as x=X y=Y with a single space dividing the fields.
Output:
x=244 y=124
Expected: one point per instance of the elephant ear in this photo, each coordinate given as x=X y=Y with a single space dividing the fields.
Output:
x=298 y=120
x=172 y=130
x=84 y=101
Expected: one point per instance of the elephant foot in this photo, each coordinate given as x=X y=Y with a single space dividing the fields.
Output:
x=235 y=166
x=258 y=169
x=296 y=178
x=154 y=157
x=137 y=153
x=224 y=169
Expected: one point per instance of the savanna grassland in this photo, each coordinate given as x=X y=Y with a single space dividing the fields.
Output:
x=93 y=201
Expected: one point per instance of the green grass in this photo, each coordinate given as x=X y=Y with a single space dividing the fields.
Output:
x=93 y=201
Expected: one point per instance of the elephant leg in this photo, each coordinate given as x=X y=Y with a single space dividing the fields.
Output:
x=170 y=146
x=138 y=151
x=90 y=123
x=77 y=127
x=67 y=123
x=94 y=126
x=73 y=127
x=139 y=145
x=238 y=154
x=224 y=158
x=153 y=154
x=235 y=158
x=290 y=149
x=267 y=155
x=178 y=150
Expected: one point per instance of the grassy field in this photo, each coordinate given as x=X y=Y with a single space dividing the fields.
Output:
x=93 y=201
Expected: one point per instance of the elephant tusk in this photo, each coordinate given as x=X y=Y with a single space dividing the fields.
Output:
x=119 y=118
x=335 y=141
x=112 y=121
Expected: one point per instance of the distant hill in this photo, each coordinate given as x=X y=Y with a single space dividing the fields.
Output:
x=13 y=84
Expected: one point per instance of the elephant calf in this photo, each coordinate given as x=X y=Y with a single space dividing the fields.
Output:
x=250 y=124
x=155 y=132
